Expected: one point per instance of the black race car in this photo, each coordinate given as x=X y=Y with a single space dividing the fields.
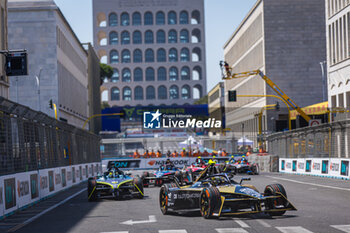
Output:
x=217 y=195
x=240 y=166
x=116 y=184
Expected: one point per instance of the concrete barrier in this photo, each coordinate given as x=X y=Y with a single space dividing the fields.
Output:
x=20 y=190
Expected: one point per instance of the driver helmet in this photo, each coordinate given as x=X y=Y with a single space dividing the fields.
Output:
x=211 y=162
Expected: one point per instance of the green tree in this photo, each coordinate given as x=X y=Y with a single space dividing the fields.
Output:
x=104 y=105
x=203 y=100
x=106 y=72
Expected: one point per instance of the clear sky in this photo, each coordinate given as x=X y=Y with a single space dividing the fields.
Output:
x=221 y=18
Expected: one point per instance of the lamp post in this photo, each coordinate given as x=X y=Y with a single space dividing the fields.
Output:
x=324 y=83
x=38 y=84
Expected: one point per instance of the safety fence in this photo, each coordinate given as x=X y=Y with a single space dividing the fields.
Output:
x=31 y=140
x=125 y=147
x=322 y=141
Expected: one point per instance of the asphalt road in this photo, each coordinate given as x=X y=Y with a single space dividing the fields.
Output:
x=323 y=206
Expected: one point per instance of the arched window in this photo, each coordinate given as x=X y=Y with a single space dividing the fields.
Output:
x=184 y=38
x=148 y=18
x=185 y=55
x=149 y=74
x=161 y=73
x=102 y=38
x=173 y=74
x=161 y=55
x=127 y=93
x=136 y=19
x=137 y=37
x=138 y=93
x=197 y=73
x=162 y=93
x=174 y=92
x=149 y=37
x=114 y=57
x=113 y=20
x=115 y=76
x=125 y=20
x=125 y=37
x=149 y=57
x=183 y=17
x=138 y=76
x=104 y=95
x=197 y=92
x=196 y=36
x=195 y=17
x=172 y=36
x=115 y=94
x=185 y=92
x=196 y=55
x=160 y=37
x=126 y=57
x=172 y=17
x=173 y=55
x=185 y=73
x=113 y=38
x=150 y=93
x=101 y=21
x=126 y=75
x=137 y=56
x=160 y=18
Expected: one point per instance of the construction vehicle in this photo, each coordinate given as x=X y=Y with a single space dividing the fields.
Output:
x=227 y=74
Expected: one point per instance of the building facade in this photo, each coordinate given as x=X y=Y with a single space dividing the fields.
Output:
x=156 y=49
x=4 y=82
x=216 y=106
x=57 y=62
x=338 y=53
x=288 y=47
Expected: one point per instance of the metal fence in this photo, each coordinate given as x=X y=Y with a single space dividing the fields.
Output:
x=31 y=140
x=125 y=147
x=326 y=140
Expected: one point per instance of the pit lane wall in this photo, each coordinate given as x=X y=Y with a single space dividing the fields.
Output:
x=21 y=190
x=267 y=163
x=324 y=167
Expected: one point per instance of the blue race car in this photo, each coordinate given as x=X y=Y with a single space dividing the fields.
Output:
x=114 y=184
x=165 y=174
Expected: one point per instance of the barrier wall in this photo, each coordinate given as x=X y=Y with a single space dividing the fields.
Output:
x=22 y=189
x=326 y=167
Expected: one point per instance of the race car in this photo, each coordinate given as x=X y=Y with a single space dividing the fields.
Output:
x=195 y=168
x=114 y=184
x=165 y=174
x=216 y=195
x=240 y=166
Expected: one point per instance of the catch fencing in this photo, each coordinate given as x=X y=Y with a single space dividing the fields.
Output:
x=322 y=141
x=31 y=140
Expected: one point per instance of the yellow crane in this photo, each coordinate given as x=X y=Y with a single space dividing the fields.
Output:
x=227 y=74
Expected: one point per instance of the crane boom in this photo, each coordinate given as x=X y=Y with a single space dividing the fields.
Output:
x=227 y=75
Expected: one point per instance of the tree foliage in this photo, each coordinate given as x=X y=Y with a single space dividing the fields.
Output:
x=106 y=72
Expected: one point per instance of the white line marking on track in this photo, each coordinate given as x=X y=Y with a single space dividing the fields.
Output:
x=301 y=182
x=241 y=223
x=172 y=231
x=116 y=232
x=293 y=230
x=262 y=222
x=44 y=212
x=344 y=228
x=231 y=230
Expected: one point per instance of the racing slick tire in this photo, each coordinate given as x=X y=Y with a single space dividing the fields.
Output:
x=145 y=181
x=209 y=202
x=163 y=197
x=271 y=190
x=138 y=183
x=255 y=169
x=92 y=193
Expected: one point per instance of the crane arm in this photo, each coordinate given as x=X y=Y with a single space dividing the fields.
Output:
x=227 y=74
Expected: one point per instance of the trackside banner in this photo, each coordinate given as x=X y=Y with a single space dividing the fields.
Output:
x=327 y=167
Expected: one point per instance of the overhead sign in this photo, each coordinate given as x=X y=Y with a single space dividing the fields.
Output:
x=315 y=122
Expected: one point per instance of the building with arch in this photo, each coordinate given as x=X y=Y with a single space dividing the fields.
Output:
x=157 y=51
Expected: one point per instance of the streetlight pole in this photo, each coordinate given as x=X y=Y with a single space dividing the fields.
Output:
x=38 y=84
x=324 y=83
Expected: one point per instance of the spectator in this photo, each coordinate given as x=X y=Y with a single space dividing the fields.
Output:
x=136 y=155
x=146 y=154
x=159 y=154
x=175 y=154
